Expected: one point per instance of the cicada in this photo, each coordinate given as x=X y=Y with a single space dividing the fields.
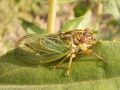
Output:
x=60 y=46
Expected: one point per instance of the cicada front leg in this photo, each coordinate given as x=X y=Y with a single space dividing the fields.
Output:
x=90 y=52
x=62 y=61
x=70 y=63
x=71 y=56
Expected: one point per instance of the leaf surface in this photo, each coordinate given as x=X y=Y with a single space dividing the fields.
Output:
x=78 y=23
x=84 y=68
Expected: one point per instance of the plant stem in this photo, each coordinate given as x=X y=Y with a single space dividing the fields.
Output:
x=51 y=16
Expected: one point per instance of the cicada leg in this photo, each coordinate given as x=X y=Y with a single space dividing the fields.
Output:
x=58 y=65
x=90 y=52
x=99 y=57
x=70 y=63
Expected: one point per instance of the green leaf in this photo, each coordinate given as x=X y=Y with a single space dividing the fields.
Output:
x=87 y=71
x=31 y=28
x=114 y=23
x=107 y=84
x=80 y=10
x=112 y=7
x=78 y=23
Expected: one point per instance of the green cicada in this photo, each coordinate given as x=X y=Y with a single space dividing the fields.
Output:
x=43 y=49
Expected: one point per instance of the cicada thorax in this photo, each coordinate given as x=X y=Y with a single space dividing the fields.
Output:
x=71 y=36
x=78 y=36
x=84 y=38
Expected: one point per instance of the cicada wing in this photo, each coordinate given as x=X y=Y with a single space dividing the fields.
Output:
x=36 y=49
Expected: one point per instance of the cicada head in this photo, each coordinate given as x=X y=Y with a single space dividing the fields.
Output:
x=87 y=39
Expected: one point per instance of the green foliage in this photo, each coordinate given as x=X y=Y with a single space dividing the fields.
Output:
x=84 y=68
x=88 y=72
x=107 y=84
x=78 y=23
x=112 y=7
x=31 y=28
x=80 y=10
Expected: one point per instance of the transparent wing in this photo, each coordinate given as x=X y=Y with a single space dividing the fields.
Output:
x=36 y=49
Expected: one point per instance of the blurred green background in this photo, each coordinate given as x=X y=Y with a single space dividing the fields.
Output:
x=21 y=17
